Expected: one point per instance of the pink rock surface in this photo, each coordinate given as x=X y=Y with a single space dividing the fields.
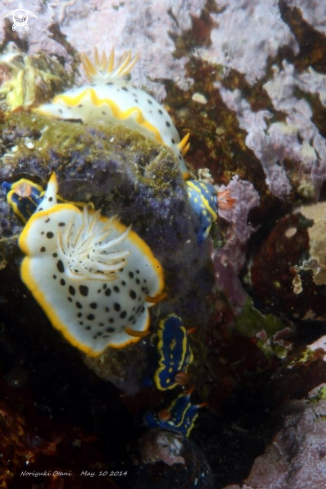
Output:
x=296 y=457
x=297 y=139
x=142 y=26
x=247 y=32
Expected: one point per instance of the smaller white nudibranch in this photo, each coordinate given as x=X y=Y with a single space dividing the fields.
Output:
x=109 y=99
x=94 y=277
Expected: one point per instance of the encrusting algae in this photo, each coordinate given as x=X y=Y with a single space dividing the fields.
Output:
x=95 y=274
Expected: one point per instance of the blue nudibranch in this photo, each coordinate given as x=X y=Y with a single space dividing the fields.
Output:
x=174 y=350
x=93 y=276
x=205 y=201
x=24 y=196
x=109 y=99
x=179 y=416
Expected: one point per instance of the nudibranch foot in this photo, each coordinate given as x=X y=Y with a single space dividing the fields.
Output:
x=91 y=274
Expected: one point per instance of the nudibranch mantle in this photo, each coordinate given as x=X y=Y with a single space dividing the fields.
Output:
x=94 y=277
x=174 y=350
x=109 y=99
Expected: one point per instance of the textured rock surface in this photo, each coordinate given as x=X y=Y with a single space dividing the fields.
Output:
x=290 y=265
x=247 y=80
x=295 y=458
x=122 y=175
x=166 y=459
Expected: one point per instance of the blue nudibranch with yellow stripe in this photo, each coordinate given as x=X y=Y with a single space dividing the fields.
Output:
x=179 y=416
x=109 y=99
x=24 y=196
x=205 y=201
x=93 y=276
x=175 y=352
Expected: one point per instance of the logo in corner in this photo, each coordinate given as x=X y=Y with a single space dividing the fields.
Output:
x=20 y=18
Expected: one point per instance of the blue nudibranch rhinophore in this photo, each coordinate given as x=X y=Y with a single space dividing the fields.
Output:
x=179 y=416
x=109 y=99
x=94 y=277
x=174 y=350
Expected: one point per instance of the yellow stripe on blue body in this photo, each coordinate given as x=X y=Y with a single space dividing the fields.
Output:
x=174 y=350
x=203 y=200
x=24 y=197
x=180 y=416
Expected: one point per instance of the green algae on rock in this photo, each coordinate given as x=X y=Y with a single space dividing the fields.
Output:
x=122 y=173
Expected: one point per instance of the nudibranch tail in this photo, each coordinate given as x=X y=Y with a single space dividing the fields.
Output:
x=91 y=274
x=102 y=70
x=50 y=196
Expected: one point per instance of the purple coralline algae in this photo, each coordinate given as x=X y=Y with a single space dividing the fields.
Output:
x=297 y=139
x=246 y=33
x=114 y=23
x=246 y=79
x=229 y=259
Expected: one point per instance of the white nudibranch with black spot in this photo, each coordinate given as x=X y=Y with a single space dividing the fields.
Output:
x=109 y=99
x=94 y=277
